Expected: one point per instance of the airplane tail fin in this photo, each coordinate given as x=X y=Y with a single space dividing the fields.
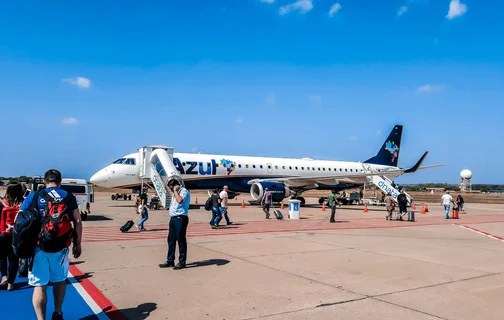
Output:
x=388 y=155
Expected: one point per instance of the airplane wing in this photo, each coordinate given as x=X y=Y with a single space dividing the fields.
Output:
x=348 y=178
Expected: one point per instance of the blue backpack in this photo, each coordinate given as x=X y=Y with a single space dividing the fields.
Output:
x=27 y=229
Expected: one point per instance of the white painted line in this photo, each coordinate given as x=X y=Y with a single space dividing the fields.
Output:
x=87 y=298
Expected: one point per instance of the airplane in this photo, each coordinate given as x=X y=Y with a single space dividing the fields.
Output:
x=284 y=177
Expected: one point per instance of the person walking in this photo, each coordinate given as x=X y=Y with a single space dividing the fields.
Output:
x=390 y=204
x=143 y=210
x=216 y=211
x=402 y=200
x=179 y=213
x=50 y=262
x=266 y=202
x=446 y=200
x=224 y=204
x=9 y=207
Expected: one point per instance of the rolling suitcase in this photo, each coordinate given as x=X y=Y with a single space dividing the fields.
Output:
x=130 y=223
x=411 y=216
x=278 y=214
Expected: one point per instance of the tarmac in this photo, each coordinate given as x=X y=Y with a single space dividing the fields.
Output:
x=362 y=267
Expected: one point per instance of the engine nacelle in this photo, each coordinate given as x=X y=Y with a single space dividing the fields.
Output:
x=278 y=191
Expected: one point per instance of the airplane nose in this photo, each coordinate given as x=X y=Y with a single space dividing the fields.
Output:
x=99 y=178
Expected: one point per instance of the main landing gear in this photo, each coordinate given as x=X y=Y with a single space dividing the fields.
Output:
x=303 y=201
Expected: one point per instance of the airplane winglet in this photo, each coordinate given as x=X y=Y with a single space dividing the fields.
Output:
x=417 y=165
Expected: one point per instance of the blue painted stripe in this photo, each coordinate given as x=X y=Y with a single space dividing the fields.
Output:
x=19 y=302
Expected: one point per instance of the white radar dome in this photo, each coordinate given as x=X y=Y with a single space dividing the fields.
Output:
x=466 y=174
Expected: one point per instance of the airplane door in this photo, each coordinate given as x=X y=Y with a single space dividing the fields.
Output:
x=270 y=167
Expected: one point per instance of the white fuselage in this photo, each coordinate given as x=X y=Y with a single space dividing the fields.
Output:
x=205 y=171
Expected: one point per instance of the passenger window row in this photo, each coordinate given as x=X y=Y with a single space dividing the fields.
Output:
x=290 y=167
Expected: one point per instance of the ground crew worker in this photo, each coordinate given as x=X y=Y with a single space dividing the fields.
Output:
x=332 y=202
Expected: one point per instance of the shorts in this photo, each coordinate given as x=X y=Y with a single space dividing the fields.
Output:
x=49 y=267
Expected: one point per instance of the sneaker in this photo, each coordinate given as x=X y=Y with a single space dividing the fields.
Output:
x=57 y=316
x=230 y=222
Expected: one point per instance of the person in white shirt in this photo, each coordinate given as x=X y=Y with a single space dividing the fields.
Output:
x=446 y=200
x=179 y=210
x=224 y=204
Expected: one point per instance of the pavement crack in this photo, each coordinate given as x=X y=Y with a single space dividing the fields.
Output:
x=340 y=302
x=412 y=309
x=436 y=284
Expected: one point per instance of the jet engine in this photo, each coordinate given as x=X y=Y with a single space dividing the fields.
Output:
x=278 y=191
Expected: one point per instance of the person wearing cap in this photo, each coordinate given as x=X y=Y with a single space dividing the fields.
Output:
x=179 y=209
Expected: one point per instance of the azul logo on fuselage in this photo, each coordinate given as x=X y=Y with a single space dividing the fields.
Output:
x=195 y=168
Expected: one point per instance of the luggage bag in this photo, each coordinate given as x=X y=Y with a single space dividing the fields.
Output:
x=127 y=226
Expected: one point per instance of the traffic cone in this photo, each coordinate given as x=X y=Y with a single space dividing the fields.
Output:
x=423 y=209
x=282 y=205
x=196 y=202
x=323 y=206
x=243 y=203
x=426 y=208
x=365 y=208
x=413 y=207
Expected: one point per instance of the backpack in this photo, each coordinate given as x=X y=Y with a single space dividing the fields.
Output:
x=208 y=204
x=27 y=230
x=57 y=231
x=7 y=217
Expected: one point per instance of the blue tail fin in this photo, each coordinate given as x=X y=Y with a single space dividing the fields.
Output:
x=389 y=152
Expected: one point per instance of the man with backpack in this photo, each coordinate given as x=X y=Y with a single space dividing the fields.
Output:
x=57 y=211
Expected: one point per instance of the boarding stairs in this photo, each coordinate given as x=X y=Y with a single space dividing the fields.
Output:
x=156 y=164
x=385 y=184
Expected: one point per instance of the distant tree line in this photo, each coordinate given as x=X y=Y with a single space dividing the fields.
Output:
x=7 y=180
x=453 y=187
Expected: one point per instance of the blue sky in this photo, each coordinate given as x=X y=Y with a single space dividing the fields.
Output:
x=84 y=82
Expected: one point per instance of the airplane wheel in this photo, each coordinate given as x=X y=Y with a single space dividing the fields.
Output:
x=303 y=201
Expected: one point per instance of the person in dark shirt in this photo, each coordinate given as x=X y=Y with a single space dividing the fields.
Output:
x=216 y=213
x=403 y=202
x=143 y=210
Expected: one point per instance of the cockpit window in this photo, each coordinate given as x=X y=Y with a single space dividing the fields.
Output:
x=130 y=161
x=119 y=161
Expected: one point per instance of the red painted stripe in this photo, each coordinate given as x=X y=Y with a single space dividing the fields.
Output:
x=484 y=232
x=107 y=307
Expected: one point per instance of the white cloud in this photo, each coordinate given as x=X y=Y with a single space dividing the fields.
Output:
x=270 y=99
x=239 y=120
x=79 y=82
x=303 y=6
x=430 y=88
x=268 y=1
x=353 y=138
x=402 y=10
x=315 y=99
x=334 y=9
x=456 y=9
x=69 y=121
